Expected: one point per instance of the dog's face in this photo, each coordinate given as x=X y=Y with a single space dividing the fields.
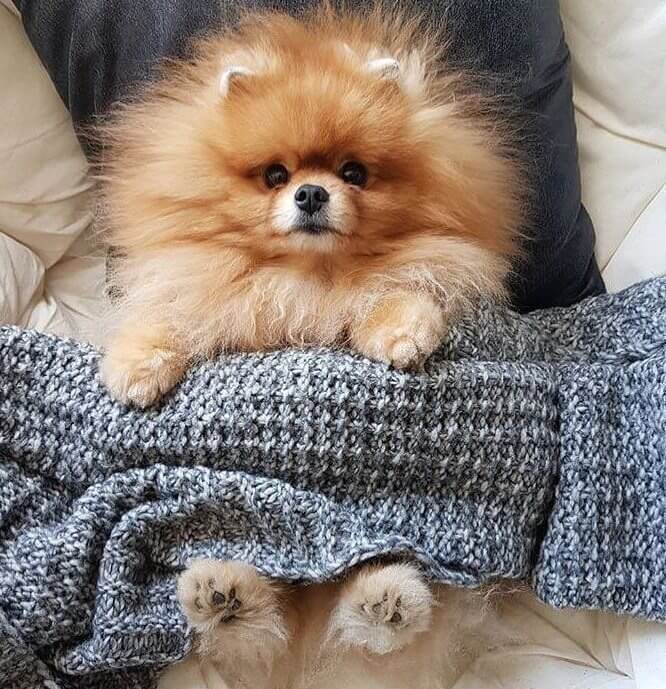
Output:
x=316 y=157
x=288 y=143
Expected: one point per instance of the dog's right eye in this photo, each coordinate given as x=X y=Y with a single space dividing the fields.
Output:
x=354 y=173
x=276 y=175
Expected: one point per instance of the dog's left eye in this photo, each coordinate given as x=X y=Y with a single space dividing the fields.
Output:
x=355 y=173
x=276 y=175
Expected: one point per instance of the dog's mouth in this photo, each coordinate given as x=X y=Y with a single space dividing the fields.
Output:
x=314 y=225
x=314 y=228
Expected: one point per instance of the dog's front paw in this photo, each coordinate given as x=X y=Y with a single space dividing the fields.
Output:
x=140 y=374
x=397 y=347
x=403 y=332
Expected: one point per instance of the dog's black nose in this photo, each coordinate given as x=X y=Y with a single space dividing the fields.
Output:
x=310 y=198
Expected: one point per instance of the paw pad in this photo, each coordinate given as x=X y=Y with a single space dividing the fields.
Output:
x=217 y=601
x=385 y=611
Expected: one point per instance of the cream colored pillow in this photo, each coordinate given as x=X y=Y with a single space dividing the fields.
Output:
x=619 y=66
x=45 y=205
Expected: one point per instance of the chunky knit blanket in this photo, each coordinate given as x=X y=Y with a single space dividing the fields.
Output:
x=531 y=447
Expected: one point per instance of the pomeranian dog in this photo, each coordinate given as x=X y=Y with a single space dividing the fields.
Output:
x=320 y=181
x=382 y=628
x=313 y=181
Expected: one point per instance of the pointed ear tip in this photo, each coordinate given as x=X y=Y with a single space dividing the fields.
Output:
x=229 y=75
x=385 y=67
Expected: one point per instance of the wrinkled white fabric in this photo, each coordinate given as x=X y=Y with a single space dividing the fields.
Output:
x=50 y=278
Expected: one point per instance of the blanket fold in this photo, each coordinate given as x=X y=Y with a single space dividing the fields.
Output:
x=530 y=447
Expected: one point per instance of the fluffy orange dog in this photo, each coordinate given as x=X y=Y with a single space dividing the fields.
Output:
x=321 y=181
x=307 y=182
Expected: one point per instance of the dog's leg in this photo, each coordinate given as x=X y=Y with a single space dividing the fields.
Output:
x=382 y=608
x=141 y=363
x=403 y=329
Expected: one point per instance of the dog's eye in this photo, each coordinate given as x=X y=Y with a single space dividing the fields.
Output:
x=276 y=175
x=354 y=173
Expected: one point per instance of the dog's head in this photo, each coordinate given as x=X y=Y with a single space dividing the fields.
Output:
x=316 y=144
x=297 y=137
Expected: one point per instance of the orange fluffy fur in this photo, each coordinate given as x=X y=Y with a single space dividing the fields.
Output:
x=210 y=262
x=383 y=627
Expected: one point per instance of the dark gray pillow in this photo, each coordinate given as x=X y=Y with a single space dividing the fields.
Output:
x=97 y=50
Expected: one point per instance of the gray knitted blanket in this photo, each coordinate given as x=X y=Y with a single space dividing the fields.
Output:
x=531 y=447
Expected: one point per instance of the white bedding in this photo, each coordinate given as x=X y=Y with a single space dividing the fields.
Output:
x=618 y=49
x=52 y=279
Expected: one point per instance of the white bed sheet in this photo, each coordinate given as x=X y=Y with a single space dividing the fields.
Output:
x=51 y=278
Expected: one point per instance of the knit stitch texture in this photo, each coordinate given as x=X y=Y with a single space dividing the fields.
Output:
x=530 y=447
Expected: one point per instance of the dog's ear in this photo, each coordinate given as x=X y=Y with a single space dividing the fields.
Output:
x=385 y=68
x=232 y=77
